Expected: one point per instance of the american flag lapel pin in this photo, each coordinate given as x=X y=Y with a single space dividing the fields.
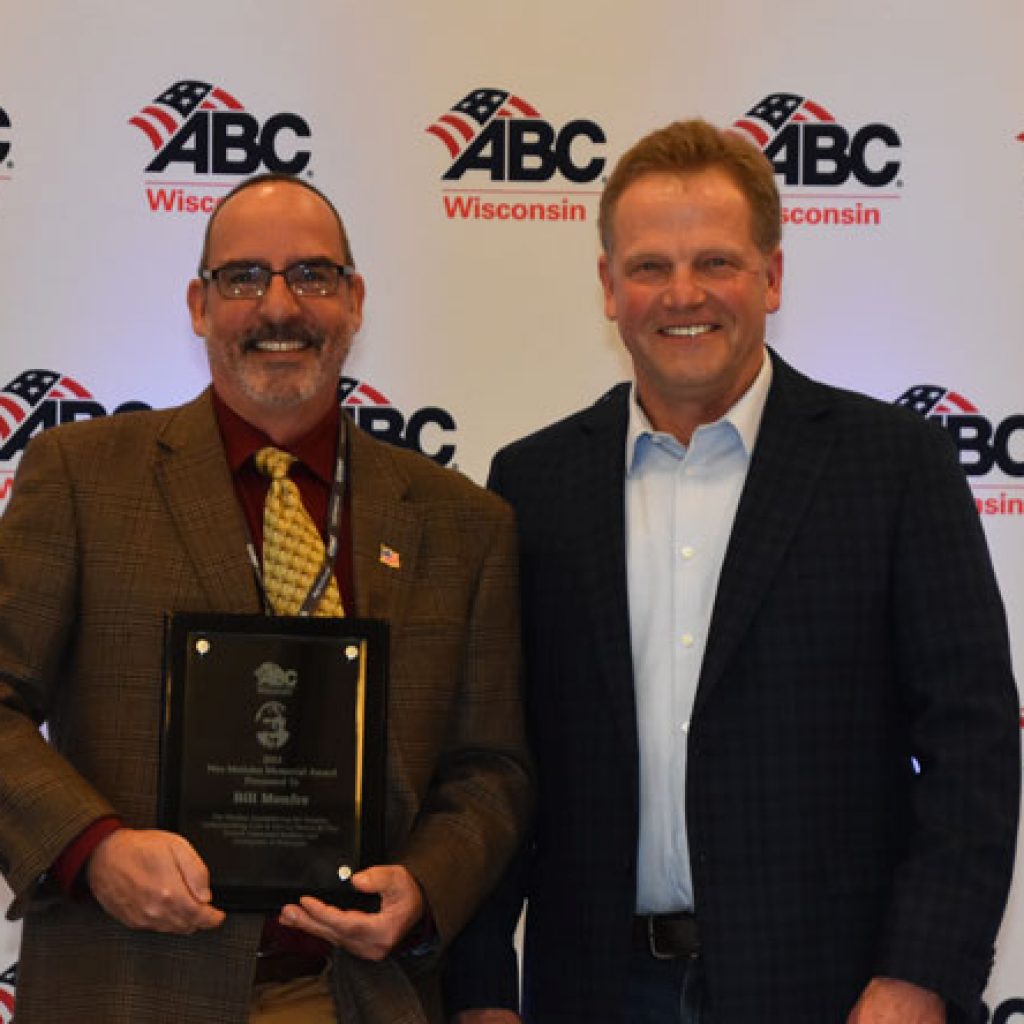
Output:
x=390 y=557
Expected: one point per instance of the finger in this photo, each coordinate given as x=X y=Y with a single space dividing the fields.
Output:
x=364 y=935
x=194 y=872
x=294 y=916
x=337 y=921
x=209 y=917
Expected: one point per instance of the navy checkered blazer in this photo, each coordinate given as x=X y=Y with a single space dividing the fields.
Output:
x=857 y=626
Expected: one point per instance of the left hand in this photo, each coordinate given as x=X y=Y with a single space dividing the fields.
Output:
x=889 y=1001
x=370 y=936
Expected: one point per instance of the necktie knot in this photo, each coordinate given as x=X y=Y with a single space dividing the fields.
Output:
x=273 y=462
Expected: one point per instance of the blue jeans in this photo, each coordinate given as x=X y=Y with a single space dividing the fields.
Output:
x=665 y=991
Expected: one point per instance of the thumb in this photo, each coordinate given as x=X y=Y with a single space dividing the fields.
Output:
x=369 y=880
x=194 y=873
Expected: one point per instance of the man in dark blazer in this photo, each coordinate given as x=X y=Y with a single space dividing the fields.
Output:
x=115 y=522
x=840 y=769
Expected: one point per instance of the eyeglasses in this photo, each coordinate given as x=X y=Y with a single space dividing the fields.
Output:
x=306 y=279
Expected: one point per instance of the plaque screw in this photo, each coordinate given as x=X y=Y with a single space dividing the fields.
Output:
x=203 y=646
x=344 y=872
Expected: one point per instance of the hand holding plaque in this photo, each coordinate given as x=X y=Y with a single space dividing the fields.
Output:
x=371 y=937
x=272 y=753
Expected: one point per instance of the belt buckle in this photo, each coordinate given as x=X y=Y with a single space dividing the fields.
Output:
x=652 y=942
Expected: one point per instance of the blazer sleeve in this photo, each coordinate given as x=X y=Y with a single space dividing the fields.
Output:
x=950 y=889
x=44 y=802
x=481 y=970
x=476 y=810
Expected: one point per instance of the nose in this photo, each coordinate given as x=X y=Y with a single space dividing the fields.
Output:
x=684 y=288
x=278 y=303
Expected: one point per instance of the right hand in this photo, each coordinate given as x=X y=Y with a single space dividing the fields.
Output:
x=153 y=881
x=486 y=1017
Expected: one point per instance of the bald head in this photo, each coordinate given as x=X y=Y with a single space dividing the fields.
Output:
x=260 y=181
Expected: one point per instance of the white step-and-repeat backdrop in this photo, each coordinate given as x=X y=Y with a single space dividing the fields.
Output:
x=466 y=145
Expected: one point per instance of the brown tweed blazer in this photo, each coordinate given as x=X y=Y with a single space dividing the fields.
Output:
x=115 y=521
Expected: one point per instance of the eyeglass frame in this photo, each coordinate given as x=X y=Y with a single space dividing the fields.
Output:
x=211 y=274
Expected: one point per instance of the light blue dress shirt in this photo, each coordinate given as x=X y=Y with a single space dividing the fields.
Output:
x=680 y=505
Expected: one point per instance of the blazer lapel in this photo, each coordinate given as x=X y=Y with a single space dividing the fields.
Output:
x=792 y=449
x=385 y=531
x=193 y=476
x=599 y=490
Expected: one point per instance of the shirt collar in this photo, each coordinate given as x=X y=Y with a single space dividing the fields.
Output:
x=744 y=416
x=316 y=450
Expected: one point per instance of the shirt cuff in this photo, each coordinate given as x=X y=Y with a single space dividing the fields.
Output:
x=67 y=868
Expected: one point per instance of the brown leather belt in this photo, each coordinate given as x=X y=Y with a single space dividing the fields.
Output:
x=278 y=968
x=667 y=936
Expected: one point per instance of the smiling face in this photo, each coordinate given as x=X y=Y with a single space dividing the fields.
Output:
x=690 y=292
x=276 y=360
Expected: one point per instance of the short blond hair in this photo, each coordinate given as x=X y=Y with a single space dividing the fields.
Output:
x=688 y=147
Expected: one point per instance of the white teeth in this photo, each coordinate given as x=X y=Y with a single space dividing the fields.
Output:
x=688 y=332
x=280 y=346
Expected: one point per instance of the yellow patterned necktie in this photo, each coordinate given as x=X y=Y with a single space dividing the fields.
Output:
x=293 y=551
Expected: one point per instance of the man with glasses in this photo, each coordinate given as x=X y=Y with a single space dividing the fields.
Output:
x=116 y=522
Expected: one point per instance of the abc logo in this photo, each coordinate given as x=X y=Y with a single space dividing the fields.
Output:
x=417 y=433
x=379 y=418
x=5 y=147
x=983 y=446
x=826 y=154
x=233 y=142
x=528 y=149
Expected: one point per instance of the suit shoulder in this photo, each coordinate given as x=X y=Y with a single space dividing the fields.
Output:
x=432 y=484
x=124 y=432
x=876 y=417
x=866 y=420
x=608 y=411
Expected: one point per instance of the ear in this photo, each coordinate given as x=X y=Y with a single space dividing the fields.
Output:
x=196 y=299
x=604 y=271
x=356 y=295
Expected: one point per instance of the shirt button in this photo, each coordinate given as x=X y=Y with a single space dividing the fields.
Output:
x=687 y=551
x=687 y=639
